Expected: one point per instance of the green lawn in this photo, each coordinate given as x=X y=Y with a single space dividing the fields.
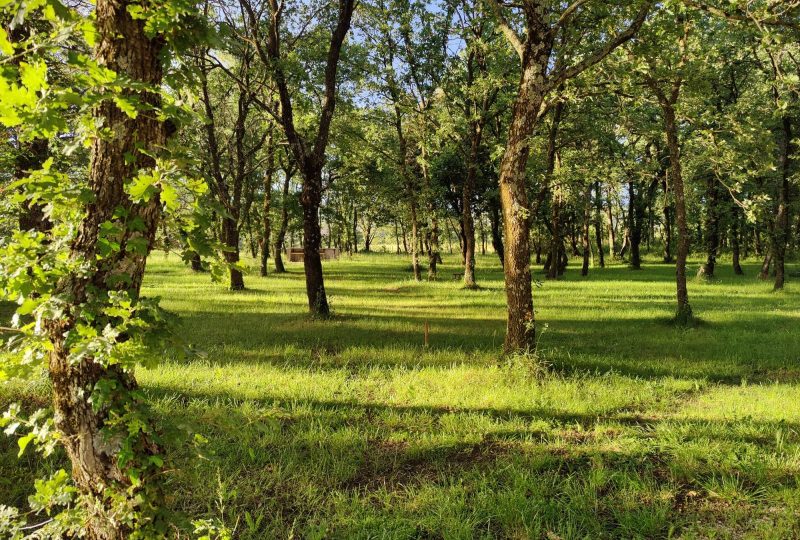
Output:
x=349 y=428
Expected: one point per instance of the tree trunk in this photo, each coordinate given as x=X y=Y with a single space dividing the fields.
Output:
x=634 y=226
x=196 y=263
x=30 y=157
x=684 y=311
x=735 y=242
x=267 y=232
x=585 y=244
x=92 y=444
x=278 y=250
x=520 y=325
x=415 y=240
x=781 y=234
x=230 y=237
x=598 y=226
x=435 y=255
x=312 y=237
x=667 y=224
x=466 y=207
x=612 y=241
x=556 y=241
x=497 y=237
x=405 y=237
x=712 y=228
x=355 y=229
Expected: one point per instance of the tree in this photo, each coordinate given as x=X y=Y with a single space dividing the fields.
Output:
x=665 y=77
x=267 y=31
x=230 y=110
x=539 y=77
x=82 y=284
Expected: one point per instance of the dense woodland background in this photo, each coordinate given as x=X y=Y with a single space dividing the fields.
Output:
x=564 y=233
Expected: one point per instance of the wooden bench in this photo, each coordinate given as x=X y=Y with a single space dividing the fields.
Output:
x=296 y=254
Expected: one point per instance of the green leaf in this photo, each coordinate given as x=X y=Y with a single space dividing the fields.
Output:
x=5 y=45
x=127 y=105
x=23 y=443
x=33 y=76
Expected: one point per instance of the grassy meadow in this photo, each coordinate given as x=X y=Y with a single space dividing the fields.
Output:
x=351 y=428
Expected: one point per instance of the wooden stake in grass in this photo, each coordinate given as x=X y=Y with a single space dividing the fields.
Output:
x=427 y=334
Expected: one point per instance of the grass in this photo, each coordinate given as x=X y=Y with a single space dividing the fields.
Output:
x=350 y=428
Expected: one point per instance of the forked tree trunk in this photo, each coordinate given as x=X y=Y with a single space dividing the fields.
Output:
x=309 y=154
x=125 y=47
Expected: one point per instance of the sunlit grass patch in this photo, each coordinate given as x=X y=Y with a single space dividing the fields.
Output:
x=352 y=428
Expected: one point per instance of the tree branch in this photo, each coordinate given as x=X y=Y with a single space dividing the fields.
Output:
x=568 y=73
x=510 y=34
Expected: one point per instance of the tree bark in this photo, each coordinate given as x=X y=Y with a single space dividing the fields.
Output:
x=415 y=240
x=267 y=222
x=124 y=46
x=781 y=234
x=230 y=237
x=735 y=239
x=684 y=311
x=667 y=224
x=310 y=199
x=30 y=157
x=556 y=240
x=587 y=216
x=712 y=228
x=355 y=229
x=612 y=240
x=520 y=325
x=598 y=225
x=278 y=250
x=497 y=237
x=634 y=226
x=466 y=207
